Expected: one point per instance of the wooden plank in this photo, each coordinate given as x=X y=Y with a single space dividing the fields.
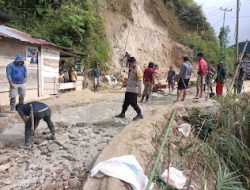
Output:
x=51 y=86
x=66 y=86
x=51 y=63
x=11 y=48
x=50 y=79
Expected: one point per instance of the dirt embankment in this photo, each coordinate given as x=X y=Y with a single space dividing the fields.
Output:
x=141 y=28
x=141 y=139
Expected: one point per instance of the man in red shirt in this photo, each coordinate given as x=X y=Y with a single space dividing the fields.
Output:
x=202 y=73
x=148 y=80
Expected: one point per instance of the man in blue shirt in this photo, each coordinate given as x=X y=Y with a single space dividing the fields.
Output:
x=40 y=111
x=17 y=75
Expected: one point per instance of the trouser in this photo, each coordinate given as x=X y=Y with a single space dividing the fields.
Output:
x=96 y=83
x=219 y=88
x=14 y=92
x=239 y=86
x=46 y=116
x=130 y=99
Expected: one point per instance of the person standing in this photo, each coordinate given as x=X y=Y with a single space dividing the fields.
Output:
x=148 y=80
x=220 y=79
x=184 y=77
x=17 y=76
x=209 y=79
x=97 y=74
x=73 y=74
x=127 y=57
x=170 y=78
x=201 y=78
x=40 y=111
x=240 y=80
x=134 y=89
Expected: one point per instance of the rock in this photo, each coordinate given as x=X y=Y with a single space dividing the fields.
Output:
x=82 y=124
x=74 y=136
x=52 y=147
x=74 y=183
x=5 y=182
x=68 y=157
x=96 y=131
x=5 y=167
x=59 y=171
x=48 y=170
x=82 y=131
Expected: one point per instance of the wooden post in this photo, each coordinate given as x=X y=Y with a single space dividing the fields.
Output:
x=237 y=30
x=236 y=74
x=32 y=119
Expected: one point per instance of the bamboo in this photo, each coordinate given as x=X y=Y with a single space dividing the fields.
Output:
x=237 y=69
x=161 y=149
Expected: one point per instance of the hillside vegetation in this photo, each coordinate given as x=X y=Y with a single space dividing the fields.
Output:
x=70 y=23
x=77 y=24
x=191 y=28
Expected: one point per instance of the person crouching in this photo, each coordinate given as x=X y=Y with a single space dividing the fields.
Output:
x=40 y=111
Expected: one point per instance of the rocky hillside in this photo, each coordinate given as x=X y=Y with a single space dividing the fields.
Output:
x=140 y=28
x=161 y=31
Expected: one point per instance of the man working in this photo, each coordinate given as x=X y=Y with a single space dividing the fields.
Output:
x=202 y=73
x=148 y=80
x=17 y=75
x=134 y=89
x=40 y=111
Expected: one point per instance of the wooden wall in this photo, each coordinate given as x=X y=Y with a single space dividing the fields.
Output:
x=50 y=70
x=8 y=51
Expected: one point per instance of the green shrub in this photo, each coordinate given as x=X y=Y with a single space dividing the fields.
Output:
x=74 y=24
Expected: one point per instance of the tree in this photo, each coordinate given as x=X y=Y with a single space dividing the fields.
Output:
x=224 y=40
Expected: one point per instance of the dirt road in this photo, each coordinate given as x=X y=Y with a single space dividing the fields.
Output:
x=83 y=130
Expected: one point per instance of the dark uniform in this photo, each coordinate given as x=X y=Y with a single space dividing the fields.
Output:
x=241 y=79
x=41 y=111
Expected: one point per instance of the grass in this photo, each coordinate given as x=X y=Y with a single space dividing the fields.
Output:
x=227 y=150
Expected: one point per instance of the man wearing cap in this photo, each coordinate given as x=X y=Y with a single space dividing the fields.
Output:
x=134 y=90
x=17 y=75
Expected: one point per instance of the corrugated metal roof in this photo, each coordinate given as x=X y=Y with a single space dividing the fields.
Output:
x=12 y=33
x=8 y=32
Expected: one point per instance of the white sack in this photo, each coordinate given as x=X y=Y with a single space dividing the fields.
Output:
x=185 y=129
x=175 y=179
x=125 y=168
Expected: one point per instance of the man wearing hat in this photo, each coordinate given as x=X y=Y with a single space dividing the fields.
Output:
x=17 y=75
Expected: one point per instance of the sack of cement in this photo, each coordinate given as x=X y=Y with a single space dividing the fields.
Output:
x=125 y=168
x=174 y=178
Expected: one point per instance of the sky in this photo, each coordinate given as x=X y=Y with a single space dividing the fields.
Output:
x=214 y=15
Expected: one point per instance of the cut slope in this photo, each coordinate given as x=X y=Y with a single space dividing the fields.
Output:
x=144 y=33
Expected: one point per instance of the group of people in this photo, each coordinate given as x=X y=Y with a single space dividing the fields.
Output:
x=17 y=76
x=67 y=75
x=31 y=113
x=136 y=79
x=205 y=75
